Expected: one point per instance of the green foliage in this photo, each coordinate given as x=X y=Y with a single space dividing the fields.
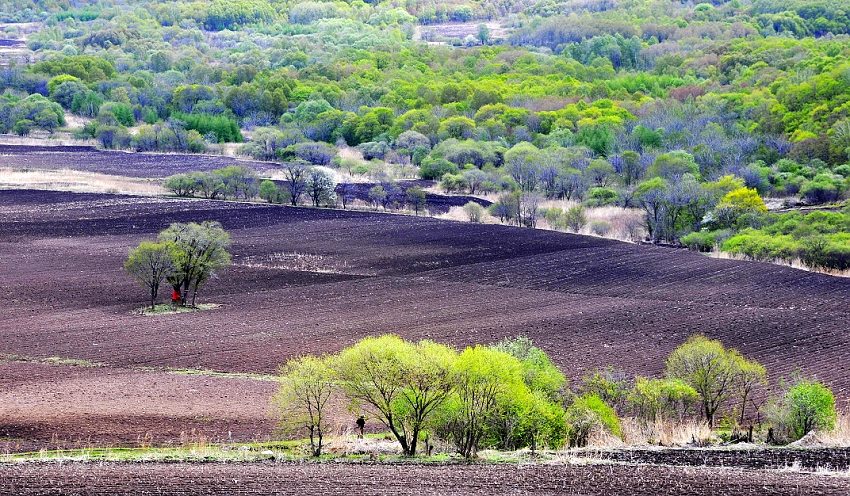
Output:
x=400 y=384
x=823 y=188
x=151 y=263
x=231 y=14
x=436 y=168
x=270 y=192
x=673 y=165
x=587 y=415
x=86 y=68
x=225 y=129
x=806 y=405
x=714 y=372
x=704 y=241
x=416 y=198
x=20 y=116
x=474 y=211
x=652 y=399
x=600 y=197
x=306 y=386
x=200 y=250
x=762 y=96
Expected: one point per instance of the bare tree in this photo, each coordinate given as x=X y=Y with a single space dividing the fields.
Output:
x=295 y=173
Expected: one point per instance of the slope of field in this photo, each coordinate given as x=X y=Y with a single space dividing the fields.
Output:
x=347 y=479
x=116 y=163
x=313 y=281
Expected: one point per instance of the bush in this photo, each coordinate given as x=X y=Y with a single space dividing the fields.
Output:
x=600 y=227
x=599 y=197
x=703 y=241
x=823 y=188
x=314 y=152
x=652 y=399
x=806 y=406
x=436 y=168
x=270 y=192
x=225 y=129
x=586 y=415
x=182 y=185
x=759 y=245
x=575 y=218
x=474 y=211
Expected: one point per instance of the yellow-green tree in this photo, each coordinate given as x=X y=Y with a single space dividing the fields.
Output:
x=306 y=386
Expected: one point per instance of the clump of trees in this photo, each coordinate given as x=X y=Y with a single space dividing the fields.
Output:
x=238 y=182
x=186 y=255
x=507 y=395
x=232 y=182
x=510 y=395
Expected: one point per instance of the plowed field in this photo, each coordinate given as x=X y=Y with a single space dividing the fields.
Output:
x=347 y=479
x=309 y=281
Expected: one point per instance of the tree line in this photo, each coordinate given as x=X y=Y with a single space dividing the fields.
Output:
x=510 y=395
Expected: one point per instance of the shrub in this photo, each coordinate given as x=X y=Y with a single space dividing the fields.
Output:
x=181 y=185
x=759 y=245
x=575 y=218
x=314 y=152
x=703 y=241
x=270 y=192
x=807 y=405
x=474 y=211
x=662 y=398
x=587 y=414
x=600 y=227
x=823 y=188
x=599 y=197
x=436 y=168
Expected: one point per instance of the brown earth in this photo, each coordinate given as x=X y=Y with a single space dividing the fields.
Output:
x=313 y=281
x=349 y=479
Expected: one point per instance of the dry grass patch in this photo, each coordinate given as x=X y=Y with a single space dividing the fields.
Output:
x=77 y=182
x=665 y=432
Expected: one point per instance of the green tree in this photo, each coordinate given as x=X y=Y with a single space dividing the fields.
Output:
x=270 y=192
x=239 y=181
x=673 y=165
x=306 y=386
x=181 y=185
x=151 y=263
x=200 y=251
x=751 y=375
x=805 y=406
x=652 y=399
x=708 y=367
x=484 y=377
x=399 y=383
x=416 y=198
x=587 y=414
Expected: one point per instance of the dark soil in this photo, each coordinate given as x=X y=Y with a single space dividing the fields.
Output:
x=587 y=301
x=90 y=159
x=348 y=479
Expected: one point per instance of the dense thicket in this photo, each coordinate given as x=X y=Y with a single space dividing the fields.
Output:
x=510 y=395
x=647 y=104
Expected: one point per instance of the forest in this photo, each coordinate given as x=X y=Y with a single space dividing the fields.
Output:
x=724 y=122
